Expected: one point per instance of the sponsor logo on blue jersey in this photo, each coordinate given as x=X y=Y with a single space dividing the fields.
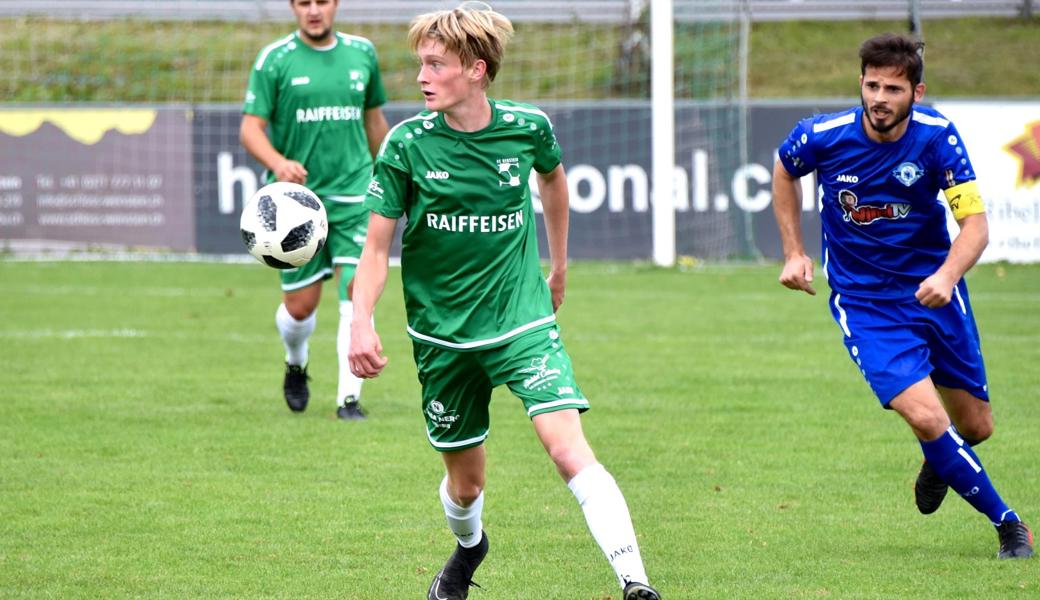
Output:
x=867 y=214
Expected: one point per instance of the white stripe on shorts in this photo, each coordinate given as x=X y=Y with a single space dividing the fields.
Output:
x=478 y=343
x=436 y=444
x=843 y=319
x=960 y=300
x=288 y=287
x=555 y=403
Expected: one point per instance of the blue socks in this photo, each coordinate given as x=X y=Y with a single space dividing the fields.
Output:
x=959 y=467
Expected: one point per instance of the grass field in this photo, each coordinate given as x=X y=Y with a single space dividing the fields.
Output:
x=145 y=450
x=55 y=60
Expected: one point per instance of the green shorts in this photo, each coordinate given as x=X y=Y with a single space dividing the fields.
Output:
x=348 y=226
x=456 y=386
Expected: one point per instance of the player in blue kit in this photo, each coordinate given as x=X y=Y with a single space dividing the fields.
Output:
x=898 y=292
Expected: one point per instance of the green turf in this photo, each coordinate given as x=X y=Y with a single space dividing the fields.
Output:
x=792 y=59
x=145 y=450
x=133 y=60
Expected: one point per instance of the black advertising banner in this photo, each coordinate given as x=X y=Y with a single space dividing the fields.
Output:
x=104 y=176
x=225 y=176
x=723 y=206
x=175 y=179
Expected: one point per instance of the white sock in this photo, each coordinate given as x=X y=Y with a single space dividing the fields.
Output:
x=607 y=516
x=294 y=334
x=463 y=522
x=349 y=384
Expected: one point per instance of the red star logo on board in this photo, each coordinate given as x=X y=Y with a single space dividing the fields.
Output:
x=1026 y=149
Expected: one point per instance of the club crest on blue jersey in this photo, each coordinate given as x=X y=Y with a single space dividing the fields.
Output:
x=908 y=173
x=867 y=214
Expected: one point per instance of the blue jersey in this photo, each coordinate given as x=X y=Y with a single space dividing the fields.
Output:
x=884 y=227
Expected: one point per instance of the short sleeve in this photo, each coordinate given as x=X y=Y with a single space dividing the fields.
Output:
x=796 y=152
x=952 y=160
x=547 y=149
x=375 y=94
x=389 y=190
x=261 y=91
x=957 y=177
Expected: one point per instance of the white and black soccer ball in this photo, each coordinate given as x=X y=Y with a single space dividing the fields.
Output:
x=284 y=225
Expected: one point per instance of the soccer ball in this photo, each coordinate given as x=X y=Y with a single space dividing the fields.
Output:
x=284 y=225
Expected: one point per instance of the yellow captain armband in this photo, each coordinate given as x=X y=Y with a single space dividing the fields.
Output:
x=964 y=200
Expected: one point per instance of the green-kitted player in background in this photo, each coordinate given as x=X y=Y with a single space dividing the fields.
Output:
x=318 y=93
x=480 y=313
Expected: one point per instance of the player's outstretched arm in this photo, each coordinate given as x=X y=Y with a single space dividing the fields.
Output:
x=552 y=187
x=937 y=289
x=253 y=135
x=366 y=351
x=797 y=273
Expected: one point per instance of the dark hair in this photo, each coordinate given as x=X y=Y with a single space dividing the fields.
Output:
x=894 y=50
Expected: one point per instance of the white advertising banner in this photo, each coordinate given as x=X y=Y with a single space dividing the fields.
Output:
x=1003 y=142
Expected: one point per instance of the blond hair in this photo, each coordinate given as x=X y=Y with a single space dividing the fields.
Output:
x=473 y=31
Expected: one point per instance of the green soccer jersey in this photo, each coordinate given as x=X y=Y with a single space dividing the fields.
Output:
x=469 y=255
x=314 y=101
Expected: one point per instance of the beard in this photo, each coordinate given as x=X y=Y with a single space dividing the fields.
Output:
x=319 y=38
x=897 y=116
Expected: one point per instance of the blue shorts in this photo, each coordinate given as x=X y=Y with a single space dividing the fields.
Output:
x=897 y=344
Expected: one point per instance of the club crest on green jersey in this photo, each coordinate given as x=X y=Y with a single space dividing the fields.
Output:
x=509 y=171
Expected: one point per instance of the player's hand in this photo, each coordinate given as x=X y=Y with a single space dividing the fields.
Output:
x=557 y=283
x=366 y=351
x=291 y=171
x=936 y=291
x=798 y=274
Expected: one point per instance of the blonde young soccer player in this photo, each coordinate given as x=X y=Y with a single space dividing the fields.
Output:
x=318 y=94
x=480 y=313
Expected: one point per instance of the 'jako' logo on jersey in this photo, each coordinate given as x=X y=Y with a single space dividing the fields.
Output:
x=845 y=178
x=865 y=215
x=437 y=175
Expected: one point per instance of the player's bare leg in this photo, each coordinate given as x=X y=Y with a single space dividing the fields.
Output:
x=606 y=512
x=296 y=318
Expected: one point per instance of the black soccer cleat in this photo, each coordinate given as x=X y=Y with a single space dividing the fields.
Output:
x=350 y=410
x=454 y=580
x=929 y=490
x=295 y=387
x=1016 y=541
x=640 y=591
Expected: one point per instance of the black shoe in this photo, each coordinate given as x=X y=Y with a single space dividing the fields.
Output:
x=1016 y=541
x=454 y=580
x=295 y=387
x=640 y=591
x=351 y=410
x=929 y=490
